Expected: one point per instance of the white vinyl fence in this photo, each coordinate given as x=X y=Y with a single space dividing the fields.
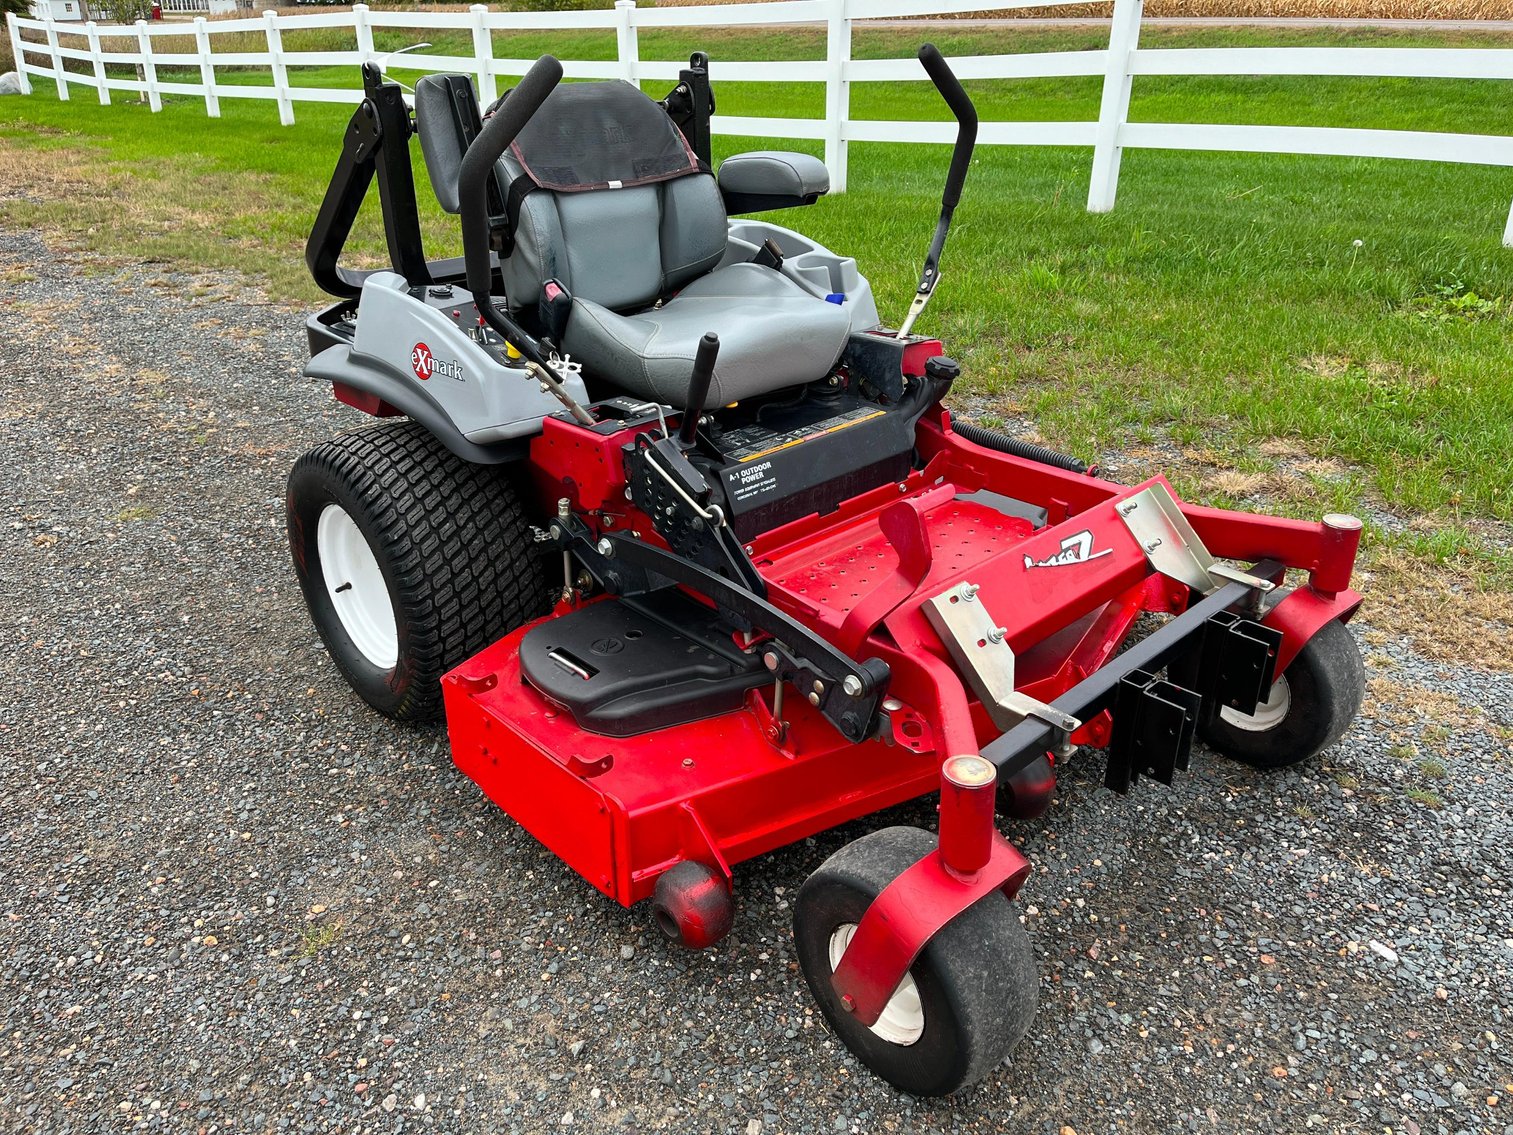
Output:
x=1118 y=65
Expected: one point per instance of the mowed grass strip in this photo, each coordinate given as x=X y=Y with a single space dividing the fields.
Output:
x=1292 y=333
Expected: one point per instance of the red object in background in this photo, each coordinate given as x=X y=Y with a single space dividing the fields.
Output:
x=157 y=11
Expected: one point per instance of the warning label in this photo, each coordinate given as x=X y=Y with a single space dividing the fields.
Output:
x=751 y=442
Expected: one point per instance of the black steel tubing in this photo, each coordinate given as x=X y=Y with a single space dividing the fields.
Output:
x=1032 y=738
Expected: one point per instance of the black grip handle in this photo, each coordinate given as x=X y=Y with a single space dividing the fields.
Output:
x=486 y=149
x=961 y=106
x=698 y=387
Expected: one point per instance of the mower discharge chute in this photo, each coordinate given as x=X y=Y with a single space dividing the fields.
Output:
x=686 y=545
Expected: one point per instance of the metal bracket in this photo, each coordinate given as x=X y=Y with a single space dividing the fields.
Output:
x=1174 y=549
x=845 y=691
x=1154 y=722
x=1236 y=663
x=980 y=649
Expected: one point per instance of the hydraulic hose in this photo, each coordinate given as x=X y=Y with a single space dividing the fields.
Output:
x=1004 y=443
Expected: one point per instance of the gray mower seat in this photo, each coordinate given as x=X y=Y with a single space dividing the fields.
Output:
x=773 y=333
x=643 y=254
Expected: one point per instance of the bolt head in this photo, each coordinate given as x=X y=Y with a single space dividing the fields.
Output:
x=848 y=1003
x=770 y=660
x=814 y=700
x=605 y=548
x=852 y=685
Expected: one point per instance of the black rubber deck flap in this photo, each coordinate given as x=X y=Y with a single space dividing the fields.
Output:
x=623 y=667
x=601 y=136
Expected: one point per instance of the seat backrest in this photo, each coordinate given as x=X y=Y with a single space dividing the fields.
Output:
x=447 y=119
x=610 y=200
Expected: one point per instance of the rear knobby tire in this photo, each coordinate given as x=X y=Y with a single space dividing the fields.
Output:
x=1307 y=709
x=966 y=1001
x=411 y=560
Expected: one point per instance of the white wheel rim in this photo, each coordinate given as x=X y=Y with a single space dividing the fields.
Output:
x=903 y=1018
x=356 y=587
x=1268 y=714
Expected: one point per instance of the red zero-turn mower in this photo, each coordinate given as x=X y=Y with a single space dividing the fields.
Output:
x=686 y=544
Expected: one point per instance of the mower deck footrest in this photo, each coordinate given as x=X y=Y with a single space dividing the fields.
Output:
x=624 y=667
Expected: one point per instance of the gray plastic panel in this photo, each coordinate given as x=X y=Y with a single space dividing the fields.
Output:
x=814 y=267
x=413 y=337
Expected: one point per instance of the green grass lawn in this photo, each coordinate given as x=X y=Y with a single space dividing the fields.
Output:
x=1232 y=307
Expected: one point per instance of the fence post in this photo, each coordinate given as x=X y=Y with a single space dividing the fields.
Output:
x=1507 y=235
x=207 y=67
x=52 y=48
x=837 y=93
x=364 y=32
x=16 y=41
x=1113 y=111
x=627 y=40
x=149 y=68
x=483 y=55
x=280 y=72
x=92 y=30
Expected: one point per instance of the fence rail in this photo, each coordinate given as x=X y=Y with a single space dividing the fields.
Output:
x=1119 y=64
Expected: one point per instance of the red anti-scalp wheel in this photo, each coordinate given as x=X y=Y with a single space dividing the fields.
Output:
x=692 y=905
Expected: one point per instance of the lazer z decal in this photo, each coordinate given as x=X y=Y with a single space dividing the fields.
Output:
x=426 y=365
x=1075 y=549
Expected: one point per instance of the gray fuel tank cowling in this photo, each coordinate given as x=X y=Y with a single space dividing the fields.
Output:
x=411 y=350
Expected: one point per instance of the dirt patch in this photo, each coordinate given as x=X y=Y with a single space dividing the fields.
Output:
x=1448 y=610
x=1409 y=709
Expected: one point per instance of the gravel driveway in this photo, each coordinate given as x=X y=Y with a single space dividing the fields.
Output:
x=235 y=900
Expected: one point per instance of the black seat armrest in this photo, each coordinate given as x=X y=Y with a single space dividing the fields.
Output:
x=771 y=179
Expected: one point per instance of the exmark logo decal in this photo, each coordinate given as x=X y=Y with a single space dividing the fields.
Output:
x=427 y=366
x=1075 y=549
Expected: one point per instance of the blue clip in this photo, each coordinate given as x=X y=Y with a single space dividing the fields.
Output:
x=836 y=298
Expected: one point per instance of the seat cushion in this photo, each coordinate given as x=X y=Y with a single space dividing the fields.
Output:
x=772 y=333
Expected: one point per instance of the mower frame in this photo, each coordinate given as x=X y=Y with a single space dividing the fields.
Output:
x=960 y=629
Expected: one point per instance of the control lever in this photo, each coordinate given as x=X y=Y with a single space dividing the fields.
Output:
x=961 y=160
x=698 y=388
x=770 y=255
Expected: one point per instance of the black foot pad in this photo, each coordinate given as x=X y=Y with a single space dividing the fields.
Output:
x=627 y=667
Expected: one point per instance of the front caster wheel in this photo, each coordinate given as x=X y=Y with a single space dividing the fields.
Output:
x=963 y=1005
x=1307 y=709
